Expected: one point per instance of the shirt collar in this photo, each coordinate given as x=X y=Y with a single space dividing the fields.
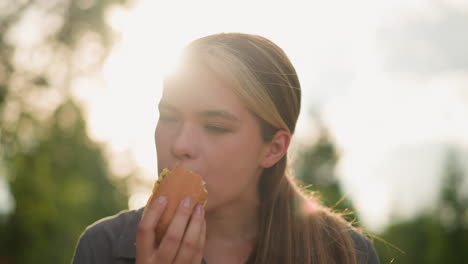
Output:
x=127 y=239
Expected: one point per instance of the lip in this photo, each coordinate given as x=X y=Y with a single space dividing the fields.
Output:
x=187 y=167
x=196 y=171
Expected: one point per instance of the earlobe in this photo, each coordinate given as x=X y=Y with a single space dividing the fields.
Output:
x=277 y=148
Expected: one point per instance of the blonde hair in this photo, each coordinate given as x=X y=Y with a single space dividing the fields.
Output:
x=261 y=74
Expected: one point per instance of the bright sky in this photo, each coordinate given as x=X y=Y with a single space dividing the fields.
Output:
x=390 y=128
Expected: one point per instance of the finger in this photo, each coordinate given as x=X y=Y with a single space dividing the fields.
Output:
x=190 y=245
x=146 y=234
x=199 y=255
x=171 y=241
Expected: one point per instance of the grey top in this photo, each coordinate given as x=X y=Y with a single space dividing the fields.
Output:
x=112 y=240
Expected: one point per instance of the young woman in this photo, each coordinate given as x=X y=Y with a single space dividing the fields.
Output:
x=228 y=114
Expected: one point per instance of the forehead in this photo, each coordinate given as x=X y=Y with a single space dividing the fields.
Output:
x=195 y=87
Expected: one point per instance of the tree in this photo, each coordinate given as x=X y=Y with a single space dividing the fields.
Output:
x=60 y=186
x=57 y=175
x=453 y=211
x=315 y=170
x=438 y=236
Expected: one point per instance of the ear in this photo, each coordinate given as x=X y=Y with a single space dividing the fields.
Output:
x=276 y=148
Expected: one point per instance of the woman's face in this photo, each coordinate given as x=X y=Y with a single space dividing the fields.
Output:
x=203 y=126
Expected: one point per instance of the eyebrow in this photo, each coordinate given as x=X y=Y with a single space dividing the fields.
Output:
x=167 y=106
x=219 y=113
x=206 y=114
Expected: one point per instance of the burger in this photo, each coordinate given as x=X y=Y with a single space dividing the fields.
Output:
x=176 y=184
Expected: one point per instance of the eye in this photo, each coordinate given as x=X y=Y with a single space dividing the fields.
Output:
x=217 y=129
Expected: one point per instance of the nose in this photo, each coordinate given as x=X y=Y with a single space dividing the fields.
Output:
x=184 y=143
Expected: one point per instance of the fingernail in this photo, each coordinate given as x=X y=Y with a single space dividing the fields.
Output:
x=187 y=202
x=162 y=199
x=199 y=209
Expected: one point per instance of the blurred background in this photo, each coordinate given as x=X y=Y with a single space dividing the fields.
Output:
x=384 y=122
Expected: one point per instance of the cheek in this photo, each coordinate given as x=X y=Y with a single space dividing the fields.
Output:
x=162 y=141
x=158 y=135
x=163 y=135
x=233 y=165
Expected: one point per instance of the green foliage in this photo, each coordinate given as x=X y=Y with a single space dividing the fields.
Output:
x=60 y=186
x=315 y=170
x=439 y=236
x=58 y=177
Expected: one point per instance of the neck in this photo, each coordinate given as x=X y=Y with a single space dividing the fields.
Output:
x=232 y=225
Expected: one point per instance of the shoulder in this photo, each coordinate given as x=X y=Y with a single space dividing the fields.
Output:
x=336 y=225
x=112 y=225
x=107 y=238
x=365 y=251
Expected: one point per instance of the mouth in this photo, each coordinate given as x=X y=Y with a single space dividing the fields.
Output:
x=187 y=167
x=174 y=165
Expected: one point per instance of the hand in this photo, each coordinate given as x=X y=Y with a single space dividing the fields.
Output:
x=177 y=246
